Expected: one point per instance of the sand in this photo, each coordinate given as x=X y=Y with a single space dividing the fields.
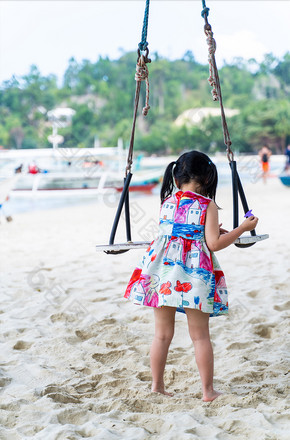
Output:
x=75 y=354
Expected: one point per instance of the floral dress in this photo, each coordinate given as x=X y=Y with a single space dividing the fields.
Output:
x=178 y=270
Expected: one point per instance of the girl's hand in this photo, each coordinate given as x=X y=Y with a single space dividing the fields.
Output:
x=218 y=238
x=222 y=230
x=250 y=223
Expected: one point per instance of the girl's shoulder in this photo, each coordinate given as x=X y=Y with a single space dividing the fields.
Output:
x=186 y=198
x=171 y=199
x=195 y=196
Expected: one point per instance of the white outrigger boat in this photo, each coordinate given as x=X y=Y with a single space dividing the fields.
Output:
x=71 y=172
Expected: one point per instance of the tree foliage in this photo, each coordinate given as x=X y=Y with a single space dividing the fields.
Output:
x=102 y=94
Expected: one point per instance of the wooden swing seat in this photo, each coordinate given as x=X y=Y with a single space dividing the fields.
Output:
x=123 y=247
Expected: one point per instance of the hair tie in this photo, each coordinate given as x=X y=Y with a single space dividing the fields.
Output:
x=172 y=171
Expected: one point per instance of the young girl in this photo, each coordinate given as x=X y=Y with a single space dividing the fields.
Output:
x=179 y=271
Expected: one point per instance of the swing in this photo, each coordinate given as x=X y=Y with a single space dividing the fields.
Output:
x=237 y=189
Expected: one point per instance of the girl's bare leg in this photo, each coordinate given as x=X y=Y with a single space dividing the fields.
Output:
x=164 y=331
x=199 y=333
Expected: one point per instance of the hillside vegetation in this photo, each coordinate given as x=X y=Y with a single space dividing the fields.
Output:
x=102 y=94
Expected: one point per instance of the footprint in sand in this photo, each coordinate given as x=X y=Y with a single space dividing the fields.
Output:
x=279 y=286
x=86 y=386
x=63 y=398
x=22 y=345
x=262 y=363
x=253 y=293
x=247 y=377
x=57 y=394
x=144 y=376
x=63 y=317
x=108 y=321
x=263 y=331
x=86 y=371
x=110 y=357
x=84 y=335
x=112 y=345
x=70 y=416
x=282 y=307
x=4 y=381
x=238 y=345
x=99 y=298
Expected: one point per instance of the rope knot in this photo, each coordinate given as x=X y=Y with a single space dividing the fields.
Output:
x=142 y=74
x=211 y=61
x=143 y=46
x=204 y=12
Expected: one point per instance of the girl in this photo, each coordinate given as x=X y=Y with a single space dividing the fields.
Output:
x=179 y=271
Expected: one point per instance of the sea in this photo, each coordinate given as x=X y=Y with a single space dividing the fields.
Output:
x=248 y=166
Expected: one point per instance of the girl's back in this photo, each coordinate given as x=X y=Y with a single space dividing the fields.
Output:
x=178 y=269
x=184 y=208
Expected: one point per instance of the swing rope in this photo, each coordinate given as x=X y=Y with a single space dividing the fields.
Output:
x=214 y=80
x=144 y=43
x=140 y=75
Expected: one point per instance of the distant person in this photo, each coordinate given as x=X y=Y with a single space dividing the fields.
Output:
x=287 y=154
x=265 y=154
x=179 y=271
x=18 y=170
x=33 y=169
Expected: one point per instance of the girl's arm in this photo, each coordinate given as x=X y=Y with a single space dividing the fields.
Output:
x=216 y=241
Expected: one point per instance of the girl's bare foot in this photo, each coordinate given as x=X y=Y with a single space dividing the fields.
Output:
x=209 y=396
x=161 y=390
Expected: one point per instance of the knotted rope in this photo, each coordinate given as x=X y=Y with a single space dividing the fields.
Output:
x=142 y=75
x=211 y=54
x=214 y=80
x=205 y=10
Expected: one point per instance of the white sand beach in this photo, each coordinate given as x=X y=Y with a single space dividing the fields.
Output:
x=75 y=354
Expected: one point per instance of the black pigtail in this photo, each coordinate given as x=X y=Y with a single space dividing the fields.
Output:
x=168 y=183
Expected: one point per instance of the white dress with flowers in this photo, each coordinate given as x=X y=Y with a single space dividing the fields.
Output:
x=178 y=270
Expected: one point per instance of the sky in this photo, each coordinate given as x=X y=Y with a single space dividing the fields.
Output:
x=48 y=33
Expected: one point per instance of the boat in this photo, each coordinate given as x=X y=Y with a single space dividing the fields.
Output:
x=74 y=171
x=285 y=178
x=73 y=183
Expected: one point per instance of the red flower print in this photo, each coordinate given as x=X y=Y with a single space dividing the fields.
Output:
x=134 y=278
x=185 y=287
x=148 y=250
x=164 y=289
x=153 y=257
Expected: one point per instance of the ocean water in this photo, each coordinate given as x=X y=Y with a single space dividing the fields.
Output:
x=248 y=167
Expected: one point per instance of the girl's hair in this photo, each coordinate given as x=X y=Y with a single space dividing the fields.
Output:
x=191 y=166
